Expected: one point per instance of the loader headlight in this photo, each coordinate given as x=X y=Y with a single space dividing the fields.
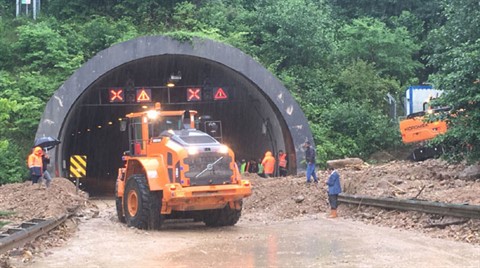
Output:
x=152 y=114
x=223 y=149
x=192 y=150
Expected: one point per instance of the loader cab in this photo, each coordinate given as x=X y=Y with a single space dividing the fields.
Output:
x=147 y=127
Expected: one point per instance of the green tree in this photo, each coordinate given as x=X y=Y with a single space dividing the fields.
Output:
x=12 y=165
x=184 y=17
x=391 y=51
x=358 y=130
x=101 y=32
x=228 y=19
x=360 y=82
x=427 y=11
x=456 y=48
x=5 y=46
x=7 y=9
x=39 y=46
x=292 y=32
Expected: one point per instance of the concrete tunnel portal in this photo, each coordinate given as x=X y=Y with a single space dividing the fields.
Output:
x=257 y=113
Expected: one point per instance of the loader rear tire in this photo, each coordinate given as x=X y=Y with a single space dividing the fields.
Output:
x=118 y=205
x=142 y=207
x=222 y=217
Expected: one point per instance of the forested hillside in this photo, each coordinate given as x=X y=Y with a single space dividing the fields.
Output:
x=339 y=58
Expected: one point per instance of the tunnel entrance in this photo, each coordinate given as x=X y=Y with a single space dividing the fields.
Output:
x=256 y=112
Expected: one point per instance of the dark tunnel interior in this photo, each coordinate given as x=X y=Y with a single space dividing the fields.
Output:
x=250 y=125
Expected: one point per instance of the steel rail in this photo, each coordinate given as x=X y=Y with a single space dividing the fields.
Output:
x=446 y=209
x=27 y=231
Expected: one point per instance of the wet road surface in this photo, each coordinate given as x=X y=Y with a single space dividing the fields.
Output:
x=309 y=242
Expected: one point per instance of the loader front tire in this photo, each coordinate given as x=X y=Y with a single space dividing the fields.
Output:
x=118 y=205
x=222 y=217
x=141 y=207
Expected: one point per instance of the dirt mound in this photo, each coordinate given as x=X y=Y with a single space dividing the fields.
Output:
x=20 y=202
x=29 y=201
x=283 y=198
x=433 y=180
x=277 y=199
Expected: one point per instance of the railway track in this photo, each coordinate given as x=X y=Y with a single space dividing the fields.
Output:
x=446 y=209
x=27 y=231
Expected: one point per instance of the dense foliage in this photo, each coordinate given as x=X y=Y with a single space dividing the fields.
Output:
x=339 y=58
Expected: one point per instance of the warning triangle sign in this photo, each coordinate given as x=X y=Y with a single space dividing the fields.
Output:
x=144 y=95
x=220 y=94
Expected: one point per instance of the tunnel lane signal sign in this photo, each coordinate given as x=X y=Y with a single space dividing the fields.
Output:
x=220 y=94
x=144 y=95
x=194 y=94
x=116 y=95
x=78 y=166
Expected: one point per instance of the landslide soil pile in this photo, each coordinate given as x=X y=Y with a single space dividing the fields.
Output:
x=28 y=201
x=276 y=199
x=21 y=202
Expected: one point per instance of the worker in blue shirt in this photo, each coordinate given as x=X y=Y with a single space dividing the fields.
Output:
x=334 y=188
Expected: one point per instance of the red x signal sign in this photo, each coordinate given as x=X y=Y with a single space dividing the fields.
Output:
x=220 y=94
x=116 y=95
x=194 y=94
x=144 y=95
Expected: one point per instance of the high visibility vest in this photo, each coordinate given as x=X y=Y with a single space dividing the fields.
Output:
x=34 y=161
x=242 y=167
x=35 y=164
x=260 y=168
x=282 y=160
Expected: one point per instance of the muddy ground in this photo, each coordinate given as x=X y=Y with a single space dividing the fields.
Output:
x=278 y=199
x=285 y=198
x=308 y=241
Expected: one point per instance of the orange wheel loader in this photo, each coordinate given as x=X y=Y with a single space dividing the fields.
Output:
x=174 y=171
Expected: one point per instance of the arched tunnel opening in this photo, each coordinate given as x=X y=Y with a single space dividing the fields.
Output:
x=251 y=123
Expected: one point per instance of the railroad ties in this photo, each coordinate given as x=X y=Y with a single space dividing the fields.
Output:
x=26 y=232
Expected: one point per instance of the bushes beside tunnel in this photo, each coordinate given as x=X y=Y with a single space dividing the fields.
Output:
x=345 y=108
x=13 y=167
x=348 y=130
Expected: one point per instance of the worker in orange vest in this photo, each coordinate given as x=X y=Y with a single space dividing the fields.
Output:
x=268 y=163
x=35 y=164
x=282 y=163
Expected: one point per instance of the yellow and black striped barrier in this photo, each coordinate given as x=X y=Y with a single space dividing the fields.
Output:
x=78 y=166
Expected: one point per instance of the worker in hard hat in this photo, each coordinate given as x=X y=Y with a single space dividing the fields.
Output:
x=268 y=163
x=35 y=164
